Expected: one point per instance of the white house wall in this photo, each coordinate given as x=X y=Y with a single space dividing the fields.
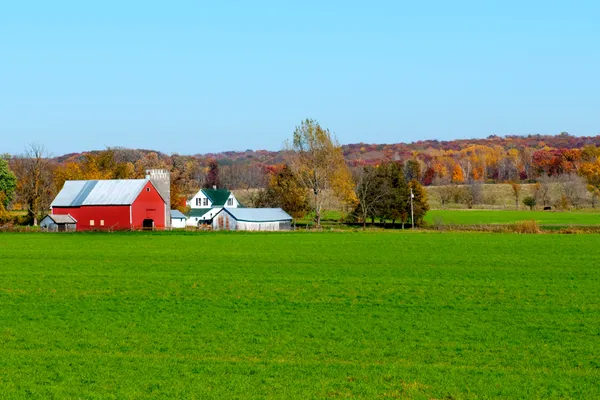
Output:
x=178 y=223
x=236 y=203
x=199 y=196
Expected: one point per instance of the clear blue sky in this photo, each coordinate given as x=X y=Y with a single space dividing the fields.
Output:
x=198 y=76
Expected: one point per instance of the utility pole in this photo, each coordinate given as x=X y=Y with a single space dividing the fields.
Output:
x=412 y=211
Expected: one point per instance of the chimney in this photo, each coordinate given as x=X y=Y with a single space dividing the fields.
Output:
x=161 y=179
x=215 y=187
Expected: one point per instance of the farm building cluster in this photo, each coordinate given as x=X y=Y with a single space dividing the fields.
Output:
x=135 y=204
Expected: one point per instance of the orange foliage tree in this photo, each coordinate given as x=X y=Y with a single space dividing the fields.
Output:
x=457 y=174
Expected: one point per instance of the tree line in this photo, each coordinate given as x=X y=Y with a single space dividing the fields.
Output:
x=313 y=166
x=314 y=169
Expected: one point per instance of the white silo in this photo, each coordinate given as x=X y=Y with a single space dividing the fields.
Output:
x=161 y=179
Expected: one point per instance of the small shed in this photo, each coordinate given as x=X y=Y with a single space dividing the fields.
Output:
x=59 y=223
x=177 y=219
x=252 y=219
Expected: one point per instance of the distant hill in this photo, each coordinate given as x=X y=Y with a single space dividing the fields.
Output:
x=365 y=153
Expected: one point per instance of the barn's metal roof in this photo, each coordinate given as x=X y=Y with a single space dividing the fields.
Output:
x=176 y=214
x=61 y=219
x=259 y=214
x=99 y=192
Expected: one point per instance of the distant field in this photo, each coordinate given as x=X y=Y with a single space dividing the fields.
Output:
x=498 y=196
x=476 y=217
x=299 y=315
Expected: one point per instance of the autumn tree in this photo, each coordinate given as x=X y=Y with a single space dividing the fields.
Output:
x=541 y=191
x=591 y=171
x=516 y=188
x=370 y=192
x=94 y=165
x=573 y=189
x=35 y=187
x=285 y=191
x=457 y=174
x=151 y=160
x=428 y=176
x=212 y=176
x=244 y=176
x=445 y=194
x=316 y=159
x=595 y=194
x=420 y=204
x=412 y=170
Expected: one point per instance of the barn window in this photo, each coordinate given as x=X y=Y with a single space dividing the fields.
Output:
x=101 y=222
x=91 y=222
x=147 y=189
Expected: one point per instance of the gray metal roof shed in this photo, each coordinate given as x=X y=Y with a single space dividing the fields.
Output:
x=58 y=223
x=61 y=219
x=258 y=214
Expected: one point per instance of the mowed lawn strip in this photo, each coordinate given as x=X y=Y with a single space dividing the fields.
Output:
x=299 y=315
x=478 y=217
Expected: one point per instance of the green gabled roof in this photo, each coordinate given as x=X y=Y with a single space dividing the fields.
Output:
x=218 y=197
x=198 y=212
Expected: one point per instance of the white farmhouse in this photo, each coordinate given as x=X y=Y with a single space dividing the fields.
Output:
x=207 y=203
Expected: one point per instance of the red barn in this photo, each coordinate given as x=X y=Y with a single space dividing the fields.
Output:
x=117 y=204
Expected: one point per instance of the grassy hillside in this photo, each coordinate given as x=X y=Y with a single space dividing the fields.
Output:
x=299 y=315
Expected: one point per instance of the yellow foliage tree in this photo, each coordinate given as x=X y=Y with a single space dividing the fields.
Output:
x=457 y=174
x=316 y=158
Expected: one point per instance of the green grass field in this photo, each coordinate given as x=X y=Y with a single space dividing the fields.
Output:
x=299 y=315
x=476 y=217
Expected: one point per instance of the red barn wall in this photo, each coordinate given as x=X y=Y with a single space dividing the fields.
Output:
x=148 y=205
x=104 y=217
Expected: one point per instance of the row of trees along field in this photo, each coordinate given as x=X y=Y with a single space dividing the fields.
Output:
x=321 y=167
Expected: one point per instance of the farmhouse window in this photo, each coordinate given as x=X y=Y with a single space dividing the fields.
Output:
x=197 y=201
x=205 y=201
x=230 y=202
x=91 y=222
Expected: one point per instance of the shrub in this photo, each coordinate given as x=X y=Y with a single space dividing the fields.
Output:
x=530 y=226
x=529 y=201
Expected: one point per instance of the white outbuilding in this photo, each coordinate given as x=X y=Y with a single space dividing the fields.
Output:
x=177 y=219
x=252 y=219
